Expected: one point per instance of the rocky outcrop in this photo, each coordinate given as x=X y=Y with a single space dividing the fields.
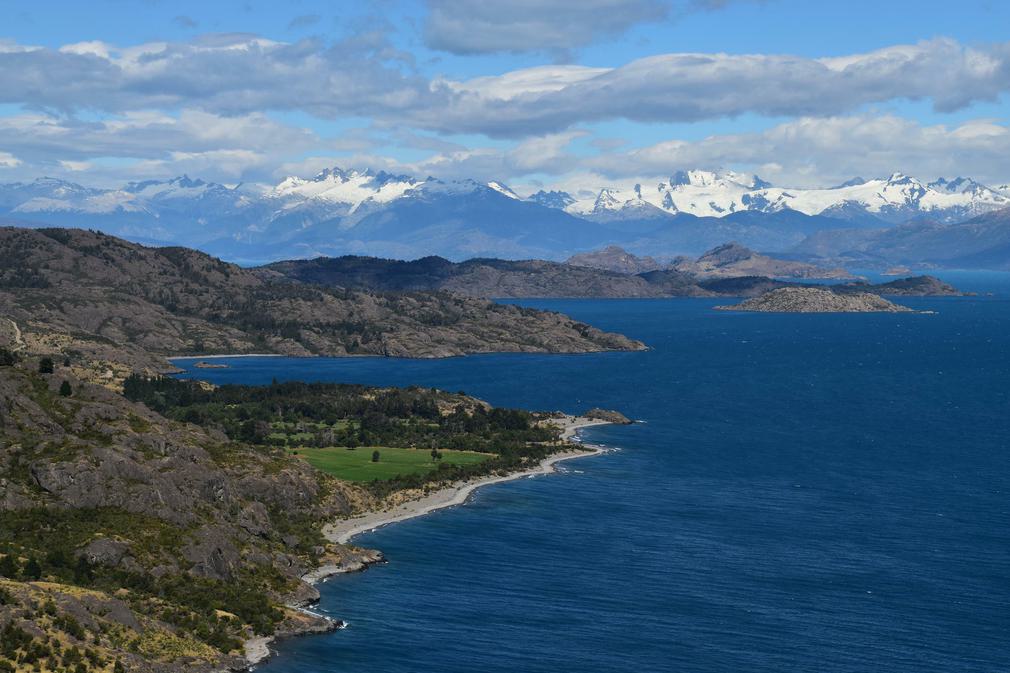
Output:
x=616 y=259
x=816 y=300
x=734 y=260
x=607 y=415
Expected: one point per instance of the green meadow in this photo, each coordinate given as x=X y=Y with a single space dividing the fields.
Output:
x=356 y=464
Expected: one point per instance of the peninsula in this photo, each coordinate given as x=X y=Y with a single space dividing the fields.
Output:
x=158 y=525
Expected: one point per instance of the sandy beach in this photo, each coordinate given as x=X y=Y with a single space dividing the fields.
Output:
x=343 y=530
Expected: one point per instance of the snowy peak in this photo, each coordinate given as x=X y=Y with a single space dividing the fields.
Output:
x=351 y=188
x=607 y=200
x=503 y=189
x=709 y=194
x=347 y=196
x=553 y=199
x=705 y=193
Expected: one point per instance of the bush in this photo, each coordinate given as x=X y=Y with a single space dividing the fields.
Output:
x=65 y=389
x=8 y=358
x=375 y=456
x=9 y=567
x=46 y=365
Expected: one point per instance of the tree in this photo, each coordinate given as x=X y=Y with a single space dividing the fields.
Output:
x=66 y=361
x=434 y=455
x=82 y=571
x=9 y=567
x=33 y=571
x=65 y=389
x=46 y=365
x=8 y=358
x=375 y=456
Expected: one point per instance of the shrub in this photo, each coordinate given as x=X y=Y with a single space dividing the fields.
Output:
x=375 y=456
x=46 y=365
x=9 y=567
x=65 y=389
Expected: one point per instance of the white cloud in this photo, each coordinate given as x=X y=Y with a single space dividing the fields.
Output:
x=75 y=165
x=235 y=75
x=694 y=87
x=156 y=144
x=807 y=152
x=817 y=152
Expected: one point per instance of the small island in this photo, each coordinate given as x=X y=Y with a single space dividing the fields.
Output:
x=203 y=364
x=816 y=300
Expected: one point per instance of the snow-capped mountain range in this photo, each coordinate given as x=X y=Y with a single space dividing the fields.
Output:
x=708 y=194
x=365 y=212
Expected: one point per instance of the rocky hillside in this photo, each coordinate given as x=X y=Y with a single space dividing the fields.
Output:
x=617 y=259
x=732 y=260
x=162 y=529
x=131 y=542
x=982 y=242
x=122 y=302
x=816 y=300
x=474 y=278
x=725 y=261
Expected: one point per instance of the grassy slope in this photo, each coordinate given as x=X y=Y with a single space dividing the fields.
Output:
x=357 y=465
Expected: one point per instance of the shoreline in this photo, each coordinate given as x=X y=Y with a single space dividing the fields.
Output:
x=344 y=530
x=256 y=650
x=225 y=355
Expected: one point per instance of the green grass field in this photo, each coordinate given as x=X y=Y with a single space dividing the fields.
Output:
x=356 y=464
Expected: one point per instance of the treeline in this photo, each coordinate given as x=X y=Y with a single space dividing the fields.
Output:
x=329 y=414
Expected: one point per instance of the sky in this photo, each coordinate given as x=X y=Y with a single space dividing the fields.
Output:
x=533 y=93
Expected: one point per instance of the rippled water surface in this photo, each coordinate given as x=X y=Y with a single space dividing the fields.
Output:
x=803 y=493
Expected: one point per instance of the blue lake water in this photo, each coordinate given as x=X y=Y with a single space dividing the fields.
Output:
x=804 y=493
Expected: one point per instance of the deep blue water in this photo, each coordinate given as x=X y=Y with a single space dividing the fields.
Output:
x=804 y=493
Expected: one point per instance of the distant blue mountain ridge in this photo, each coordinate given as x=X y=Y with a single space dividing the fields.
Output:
x=892 y=221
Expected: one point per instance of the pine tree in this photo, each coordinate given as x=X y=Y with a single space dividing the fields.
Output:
x=65 y=389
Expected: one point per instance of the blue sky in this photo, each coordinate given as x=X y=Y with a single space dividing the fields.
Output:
x=536 y=94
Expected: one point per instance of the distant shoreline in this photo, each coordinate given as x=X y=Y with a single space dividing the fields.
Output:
x=227 y=355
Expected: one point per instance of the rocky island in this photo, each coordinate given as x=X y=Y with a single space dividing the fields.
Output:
x=816 y=300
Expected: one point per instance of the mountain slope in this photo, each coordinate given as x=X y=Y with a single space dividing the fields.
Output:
x=538 y=278
x=981 y=242
x=475 y=278
x=104 y=293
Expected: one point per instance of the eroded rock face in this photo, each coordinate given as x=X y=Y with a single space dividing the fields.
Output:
x=816 y=300
x=105 y=551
